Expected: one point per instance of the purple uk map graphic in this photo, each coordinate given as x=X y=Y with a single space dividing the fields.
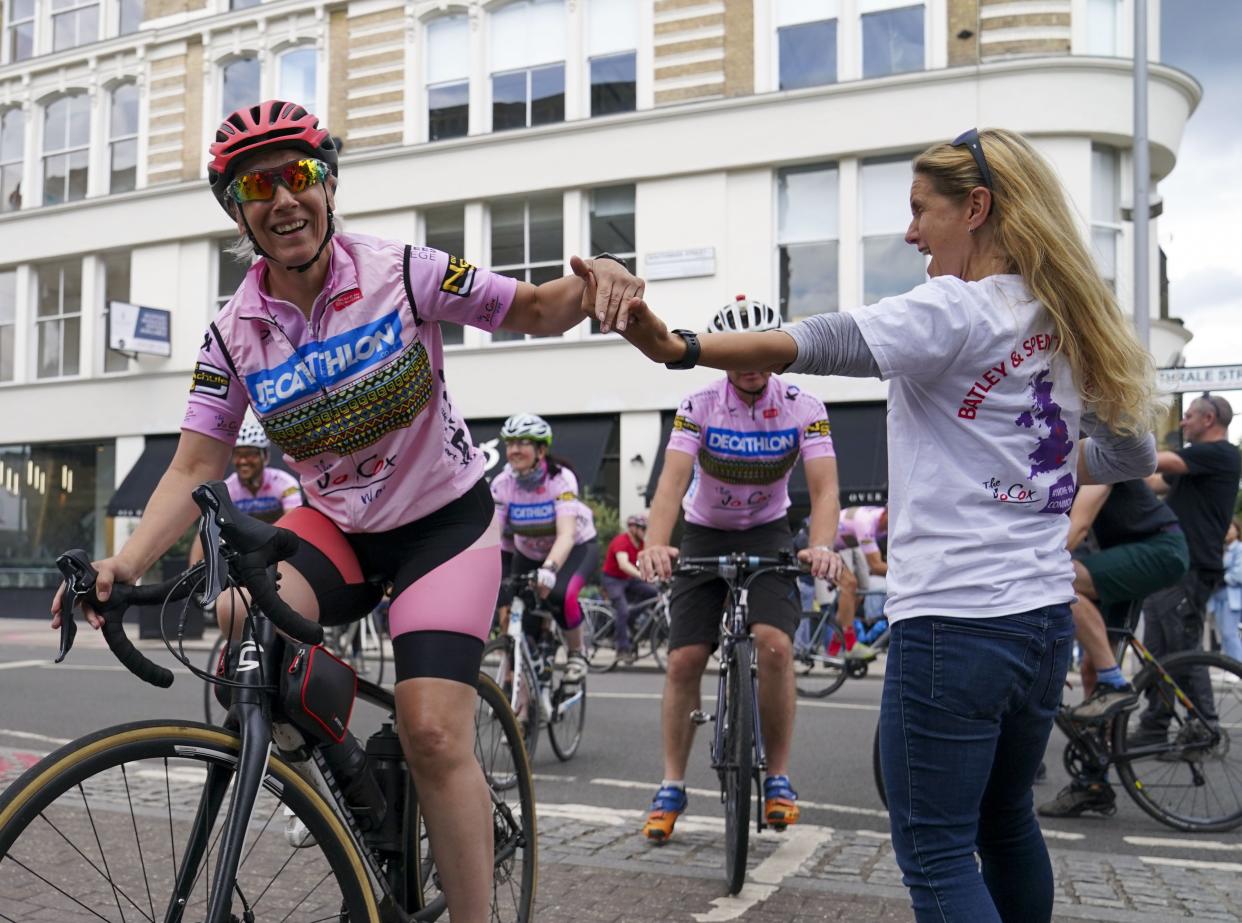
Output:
x=1052 y=449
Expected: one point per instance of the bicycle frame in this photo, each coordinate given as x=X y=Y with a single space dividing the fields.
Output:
x=523 y=667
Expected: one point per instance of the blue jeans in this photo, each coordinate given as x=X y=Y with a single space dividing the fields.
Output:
x=968 y=707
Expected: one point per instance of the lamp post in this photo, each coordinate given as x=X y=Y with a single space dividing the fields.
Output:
x=1142 y=173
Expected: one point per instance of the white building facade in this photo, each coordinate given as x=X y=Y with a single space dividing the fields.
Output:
x=724 y=146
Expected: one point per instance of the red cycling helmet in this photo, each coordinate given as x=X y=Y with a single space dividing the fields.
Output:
x=272 y=123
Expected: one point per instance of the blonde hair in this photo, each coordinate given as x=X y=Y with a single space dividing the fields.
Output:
x=1035 y=230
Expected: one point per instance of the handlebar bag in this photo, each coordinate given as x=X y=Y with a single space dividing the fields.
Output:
x=317 y=691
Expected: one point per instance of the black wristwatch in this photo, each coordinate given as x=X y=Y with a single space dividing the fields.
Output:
x=615 y=259
x=691 y=358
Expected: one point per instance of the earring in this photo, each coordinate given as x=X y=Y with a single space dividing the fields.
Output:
x=970 y=230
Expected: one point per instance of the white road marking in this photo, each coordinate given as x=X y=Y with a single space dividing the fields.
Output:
x=798 y=844
x=715 y=793
x=802 y=703
x=21 y=664
x=27 y=735
x=1192 y=863
x=1175 y=843
x=552 y=777
x=1061 y=835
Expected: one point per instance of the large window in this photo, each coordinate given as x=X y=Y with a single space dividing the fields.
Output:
x=58 y=320
x=74 y=23
x=116 y=288
x=12 y=146
x=1104 y=27
x=528 y=64
x=19 y=24
x=528 y=242
x=229 y=272
x=806 y=43
x=131 y=17
x=611 y=42
x=239 y=84
x=123 y=139
x=612 y=226
x=448 y=77
x=808 y=209
x=890 y=265
x=1105 y=210
x=296 y=77
x=892 y=37
x=446 y=230
x=66 y=148
x=8 y=322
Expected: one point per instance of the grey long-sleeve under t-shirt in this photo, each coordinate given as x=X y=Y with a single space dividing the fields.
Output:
x=833 y=344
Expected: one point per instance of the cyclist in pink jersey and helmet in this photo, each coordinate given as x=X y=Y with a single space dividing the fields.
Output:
x=728 y=461
x=332 y=340
x=858 y=532
x=553 y=531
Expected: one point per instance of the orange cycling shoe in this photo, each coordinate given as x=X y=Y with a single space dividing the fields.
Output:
x=780 y=803
x=666 y=807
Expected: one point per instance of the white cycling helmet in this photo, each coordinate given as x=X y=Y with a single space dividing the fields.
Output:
x=527 y=426
x=251 y=436
x=744 y=316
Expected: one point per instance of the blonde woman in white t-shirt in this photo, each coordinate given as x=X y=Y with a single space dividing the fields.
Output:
x=996 y=364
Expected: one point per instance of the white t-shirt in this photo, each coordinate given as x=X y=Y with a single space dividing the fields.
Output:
x=983 y=427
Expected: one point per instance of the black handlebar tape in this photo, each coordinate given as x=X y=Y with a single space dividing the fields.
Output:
x=284 y=618
x=134 y=660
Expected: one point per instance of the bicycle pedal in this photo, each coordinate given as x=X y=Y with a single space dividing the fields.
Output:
x=698 y=716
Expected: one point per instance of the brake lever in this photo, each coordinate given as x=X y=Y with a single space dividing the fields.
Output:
x=209 y=537
x=75 y=567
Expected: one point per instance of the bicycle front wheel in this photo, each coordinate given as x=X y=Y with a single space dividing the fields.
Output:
x=739 y=736
x=102 y=830
x=498 y=665
x=1178 y=764
x=819 y=659
x=567 y=720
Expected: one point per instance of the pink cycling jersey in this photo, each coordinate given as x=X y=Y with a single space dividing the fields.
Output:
x=356 y=397
x=530 y=513
x=743 y=455
x=859 y=528
x=278 y=493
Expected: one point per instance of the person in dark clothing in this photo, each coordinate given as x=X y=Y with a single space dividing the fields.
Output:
x=1201 y=481
x=1141 y=550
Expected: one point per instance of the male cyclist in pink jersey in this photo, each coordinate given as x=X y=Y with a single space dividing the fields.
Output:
x=334 y=342
x=727 y=464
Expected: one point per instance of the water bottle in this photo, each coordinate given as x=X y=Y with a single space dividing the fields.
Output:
x=358 y=784
x=387 y=764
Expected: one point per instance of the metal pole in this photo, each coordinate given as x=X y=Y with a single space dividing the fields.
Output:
x=1142 y=173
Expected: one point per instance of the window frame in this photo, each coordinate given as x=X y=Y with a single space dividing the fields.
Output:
x=111 y=141
x=590 y=89
x=78 y=7
x=20 y=161
x=277 y=57
x=591 y=327
x=222 y=64
x=12 y=326
x=107 y=353
x=1115 y=226
x=527 y=264
x=425 y=85
x=864 y=235
x=782 y=240
x=529 y=73
x=86 y=147
x=10 y=26
x=59 y=319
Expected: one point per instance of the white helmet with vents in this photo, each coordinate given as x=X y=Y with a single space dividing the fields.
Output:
x=251 y=435
x=527 y=426
x=744 y=315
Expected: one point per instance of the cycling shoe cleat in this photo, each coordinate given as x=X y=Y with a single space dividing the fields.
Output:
x=780 y=803
x=666 y=807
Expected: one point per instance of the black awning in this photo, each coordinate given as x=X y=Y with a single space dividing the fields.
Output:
x=579 y=439
x=131 y=497
x=860 y=437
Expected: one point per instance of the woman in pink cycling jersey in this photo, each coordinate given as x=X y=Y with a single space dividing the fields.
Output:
x=333 y=341
x=553 y=530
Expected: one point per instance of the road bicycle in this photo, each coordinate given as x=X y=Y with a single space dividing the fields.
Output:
x=259 y=818
x=820 y=664
x=363 y=644
x=737 y=745
x=527 y=673
x=648 y=631
x=1188 y=777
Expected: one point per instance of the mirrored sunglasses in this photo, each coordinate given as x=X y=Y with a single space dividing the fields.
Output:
x=260 y=185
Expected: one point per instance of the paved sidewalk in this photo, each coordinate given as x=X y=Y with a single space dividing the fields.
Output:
x=597 y=869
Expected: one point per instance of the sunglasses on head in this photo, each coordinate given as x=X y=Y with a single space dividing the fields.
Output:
x=260 y=185
x=970 y=141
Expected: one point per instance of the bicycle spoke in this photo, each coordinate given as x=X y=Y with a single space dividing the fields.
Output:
x=91 y=817
x=57 y=888
x=105 y=875
x=305 y=897
x=142 y=862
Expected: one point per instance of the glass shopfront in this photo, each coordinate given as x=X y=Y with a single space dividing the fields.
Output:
x=52 y=498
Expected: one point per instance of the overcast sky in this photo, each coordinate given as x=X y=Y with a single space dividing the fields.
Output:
x=1199 y=229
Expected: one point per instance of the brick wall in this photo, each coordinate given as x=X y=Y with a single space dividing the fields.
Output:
x=689 y=50
x=1023 y=27
x=374 y=68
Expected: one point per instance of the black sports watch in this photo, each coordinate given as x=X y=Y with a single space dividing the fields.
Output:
x=691 y=358
x=615 y=259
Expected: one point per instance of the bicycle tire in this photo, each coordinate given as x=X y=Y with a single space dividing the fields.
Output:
x=818 y=674
x=498 y=747
x=565 y=730
x=213 y=711
x=498 y=666
x=153 y=769
x=658 y=636
x=599 y=624
x=1175 y=787
x=877 y=768
x=739 y=735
